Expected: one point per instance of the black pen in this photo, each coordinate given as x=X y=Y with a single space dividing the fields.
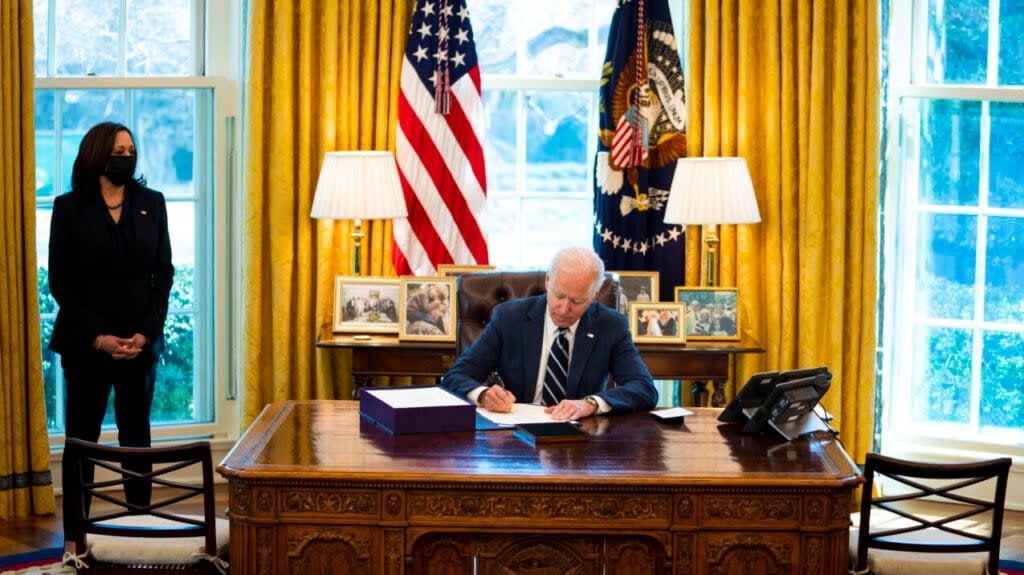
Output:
x=496 y=380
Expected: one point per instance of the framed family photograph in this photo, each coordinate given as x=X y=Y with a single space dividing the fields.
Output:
x=428 y=309
x=366 y=304
x=637 y=287
x=657 y=322
x=711 y=312
x=453 y=270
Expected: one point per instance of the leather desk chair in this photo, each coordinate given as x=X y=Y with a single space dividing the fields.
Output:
x=478 y=293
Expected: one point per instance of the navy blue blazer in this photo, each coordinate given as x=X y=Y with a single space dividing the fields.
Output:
x=511 y=344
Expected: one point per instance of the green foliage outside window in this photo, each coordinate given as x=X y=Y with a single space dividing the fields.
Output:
x=173 y=398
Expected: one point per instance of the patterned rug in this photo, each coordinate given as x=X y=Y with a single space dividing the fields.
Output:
x=39 y=562
x=47 y=569
x=1011 y=567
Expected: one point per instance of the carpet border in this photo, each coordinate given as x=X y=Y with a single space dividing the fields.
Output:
x=49 y=554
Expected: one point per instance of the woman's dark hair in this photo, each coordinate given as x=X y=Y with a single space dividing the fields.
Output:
x=93 y=153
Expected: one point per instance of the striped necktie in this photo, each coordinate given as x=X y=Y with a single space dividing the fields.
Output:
x=557 y=372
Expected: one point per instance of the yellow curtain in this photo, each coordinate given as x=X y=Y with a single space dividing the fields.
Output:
x=793 y=86
x=25 y=485
x=323 y=76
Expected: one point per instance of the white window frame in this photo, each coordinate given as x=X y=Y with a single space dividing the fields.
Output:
x=899 y=437
x=522 y=84
x=216 y=214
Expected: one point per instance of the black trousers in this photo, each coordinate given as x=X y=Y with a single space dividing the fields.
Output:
x=90 y=376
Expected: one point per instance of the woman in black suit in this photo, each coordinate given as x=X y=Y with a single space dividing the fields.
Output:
x=110 y=273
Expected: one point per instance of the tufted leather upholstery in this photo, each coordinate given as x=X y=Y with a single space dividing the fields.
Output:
x=479 y=292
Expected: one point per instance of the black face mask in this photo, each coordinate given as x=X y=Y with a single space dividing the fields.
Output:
x=120 y=169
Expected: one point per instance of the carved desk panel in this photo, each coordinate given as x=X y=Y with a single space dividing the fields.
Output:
x=315 y=489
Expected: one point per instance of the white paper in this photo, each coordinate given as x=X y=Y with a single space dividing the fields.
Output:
x=671 y=413
x=415 y=397
x=521 y=413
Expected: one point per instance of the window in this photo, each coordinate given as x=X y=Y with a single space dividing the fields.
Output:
x=144 y=64
x=540 y=65
x=953 y=228
x=540 y=68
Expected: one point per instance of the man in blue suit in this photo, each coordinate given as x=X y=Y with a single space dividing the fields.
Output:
x=517 y=343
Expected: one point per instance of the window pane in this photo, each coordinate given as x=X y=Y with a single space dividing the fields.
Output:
x=166 y=123
x=51 y=363
x=159 y=38
x=47 y=180
x=165 y=129
x=503 y=229
x=95 y=52
x=43 y=217
x=494 y=29
x=40 y=33
x=83 y=109
x=181 y=219
x=1011 y=42
x=945 y=266
x=957 y=41
x=550 y=224
x=1002 y=387
x=1004 y=270
x=941 y=380
x=556 y=38
x=52 y=379
x=173 y=396
x=950 y=137
x=1006 y=159
x=556 y=141
x=500 y=140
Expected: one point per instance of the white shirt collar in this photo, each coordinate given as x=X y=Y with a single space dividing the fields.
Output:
x=551 y=329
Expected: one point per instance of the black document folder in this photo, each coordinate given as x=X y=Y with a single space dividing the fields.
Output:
x=550 y=433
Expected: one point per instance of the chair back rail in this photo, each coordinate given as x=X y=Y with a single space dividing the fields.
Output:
x=922 y=478
x=82 y=520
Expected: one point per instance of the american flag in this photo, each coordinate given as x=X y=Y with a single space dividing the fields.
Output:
x=438 y=151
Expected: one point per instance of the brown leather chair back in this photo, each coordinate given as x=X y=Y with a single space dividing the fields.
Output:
x=479 y=292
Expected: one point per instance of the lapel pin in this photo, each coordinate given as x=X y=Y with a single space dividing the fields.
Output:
x=590 y=335
x=144 y=212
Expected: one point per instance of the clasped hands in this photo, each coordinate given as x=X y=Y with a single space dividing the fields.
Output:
x=121 y=347
x=500 y=400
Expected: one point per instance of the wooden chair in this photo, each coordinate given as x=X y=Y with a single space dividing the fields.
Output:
x=963 y=540
x=121 y=537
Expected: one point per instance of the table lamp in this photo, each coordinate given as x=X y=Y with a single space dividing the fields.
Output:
x=358 y=186
x=711 y=191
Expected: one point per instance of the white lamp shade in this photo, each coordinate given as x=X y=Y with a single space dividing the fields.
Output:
x=711 y=191
x=358 y=186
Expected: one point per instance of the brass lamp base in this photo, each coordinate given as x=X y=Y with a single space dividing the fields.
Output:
x=711 y=271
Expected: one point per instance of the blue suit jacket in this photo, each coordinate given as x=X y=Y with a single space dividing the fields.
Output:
x=511 y=344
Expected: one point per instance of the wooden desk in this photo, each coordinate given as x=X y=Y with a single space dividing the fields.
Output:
x=316 y=489
x=386 y=355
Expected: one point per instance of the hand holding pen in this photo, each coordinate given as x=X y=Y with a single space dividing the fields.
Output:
x=496 y=398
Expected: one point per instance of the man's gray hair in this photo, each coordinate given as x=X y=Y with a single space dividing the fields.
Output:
x=578 y=260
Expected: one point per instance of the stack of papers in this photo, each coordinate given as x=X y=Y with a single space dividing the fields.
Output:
x=521 y=413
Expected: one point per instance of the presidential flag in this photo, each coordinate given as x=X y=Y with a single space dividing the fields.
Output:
x=642 y=132
x=438 y=150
